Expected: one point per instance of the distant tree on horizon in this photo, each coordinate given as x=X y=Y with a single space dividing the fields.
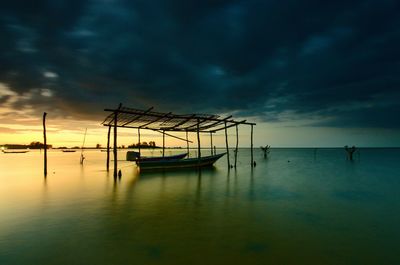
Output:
x=38 y=145
x=150 y=144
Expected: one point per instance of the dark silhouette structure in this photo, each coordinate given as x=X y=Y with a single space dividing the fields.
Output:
x=124 y=117
x=266 y=150
x=45 y=144
x=350 y=151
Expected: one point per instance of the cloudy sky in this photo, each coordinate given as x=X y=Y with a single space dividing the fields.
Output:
x=310 y=73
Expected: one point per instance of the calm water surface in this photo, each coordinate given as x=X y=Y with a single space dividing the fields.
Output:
x=299 y=206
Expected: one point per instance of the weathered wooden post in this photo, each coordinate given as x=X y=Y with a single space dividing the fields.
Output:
x=83 y=145
x=265 y=150
x=198 y=139
x=115 y=143
x=187 y=143
x=211 y=143
x=138 y=130
x=350 y=152
x=108 y=148
x=45 y=144
x=227 y=146
x=163 y=143
x=251 y=146
x=237 y=143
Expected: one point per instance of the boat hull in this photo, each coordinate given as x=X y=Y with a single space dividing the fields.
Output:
x=178 y=164
x=132 y=156
x=15 y=152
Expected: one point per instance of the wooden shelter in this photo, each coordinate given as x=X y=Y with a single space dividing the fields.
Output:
x=168 y=122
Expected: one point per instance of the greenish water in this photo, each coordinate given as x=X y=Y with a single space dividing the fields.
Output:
x=296 y=207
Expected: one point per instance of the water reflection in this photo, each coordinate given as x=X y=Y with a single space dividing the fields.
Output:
x=216 y=216
x=198 y=189
x=251 y=186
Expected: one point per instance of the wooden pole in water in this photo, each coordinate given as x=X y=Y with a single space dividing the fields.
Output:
x=163 y=143
x=251 y=146
x=198 y=139
x=115 y=143
x=187 y=143
x=138 y=131
x=108 y=148
x=237 y=143
x=227 y=146
x=211 y=143
x=83 y=145
x=45 y=144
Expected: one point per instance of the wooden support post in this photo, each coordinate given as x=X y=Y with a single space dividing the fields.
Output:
x=45 y=144
x=198 y=140
x=187 y=143
x=251 y=146
x=237 y=143
x=227 y=146
x=138 y=131
x=211 y=144
x=163 y=144
x=115 y=144
x=108 y=148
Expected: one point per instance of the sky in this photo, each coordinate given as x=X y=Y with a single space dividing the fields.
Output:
x=309 y=73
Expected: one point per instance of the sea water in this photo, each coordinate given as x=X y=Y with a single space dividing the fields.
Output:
x=298 y=206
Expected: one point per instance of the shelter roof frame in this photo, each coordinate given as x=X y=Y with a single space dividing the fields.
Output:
x=158 y=121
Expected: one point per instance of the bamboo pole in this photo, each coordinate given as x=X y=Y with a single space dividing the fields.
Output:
x=237 y=143
x=108 y=148
x=211 y=143
x=251 y=146
x=187 y=143
x=198 y=140
x=163 y=144
x=115 y=143
x=227 y=146
x=138 y=131
x=45 y=144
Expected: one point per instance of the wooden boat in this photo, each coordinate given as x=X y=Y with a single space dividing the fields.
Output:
x=179 y=163
x=14 y=152
x=134 y=156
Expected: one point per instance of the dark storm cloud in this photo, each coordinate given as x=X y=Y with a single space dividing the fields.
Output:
x=337 y=59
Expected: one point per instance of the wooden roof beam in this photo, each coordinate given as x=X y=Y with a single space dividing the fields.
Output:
x=173 y=136
x=195 y=125
x=180 y=123
x=137 y=117
x=217 y=122
x=229 y=126
x=153 y=114
x=156 y=114
x=156 y=120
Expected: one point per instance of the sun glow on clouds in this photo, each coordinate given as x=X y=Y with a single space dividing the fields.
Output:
x=5 y=91
x=24 y=125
